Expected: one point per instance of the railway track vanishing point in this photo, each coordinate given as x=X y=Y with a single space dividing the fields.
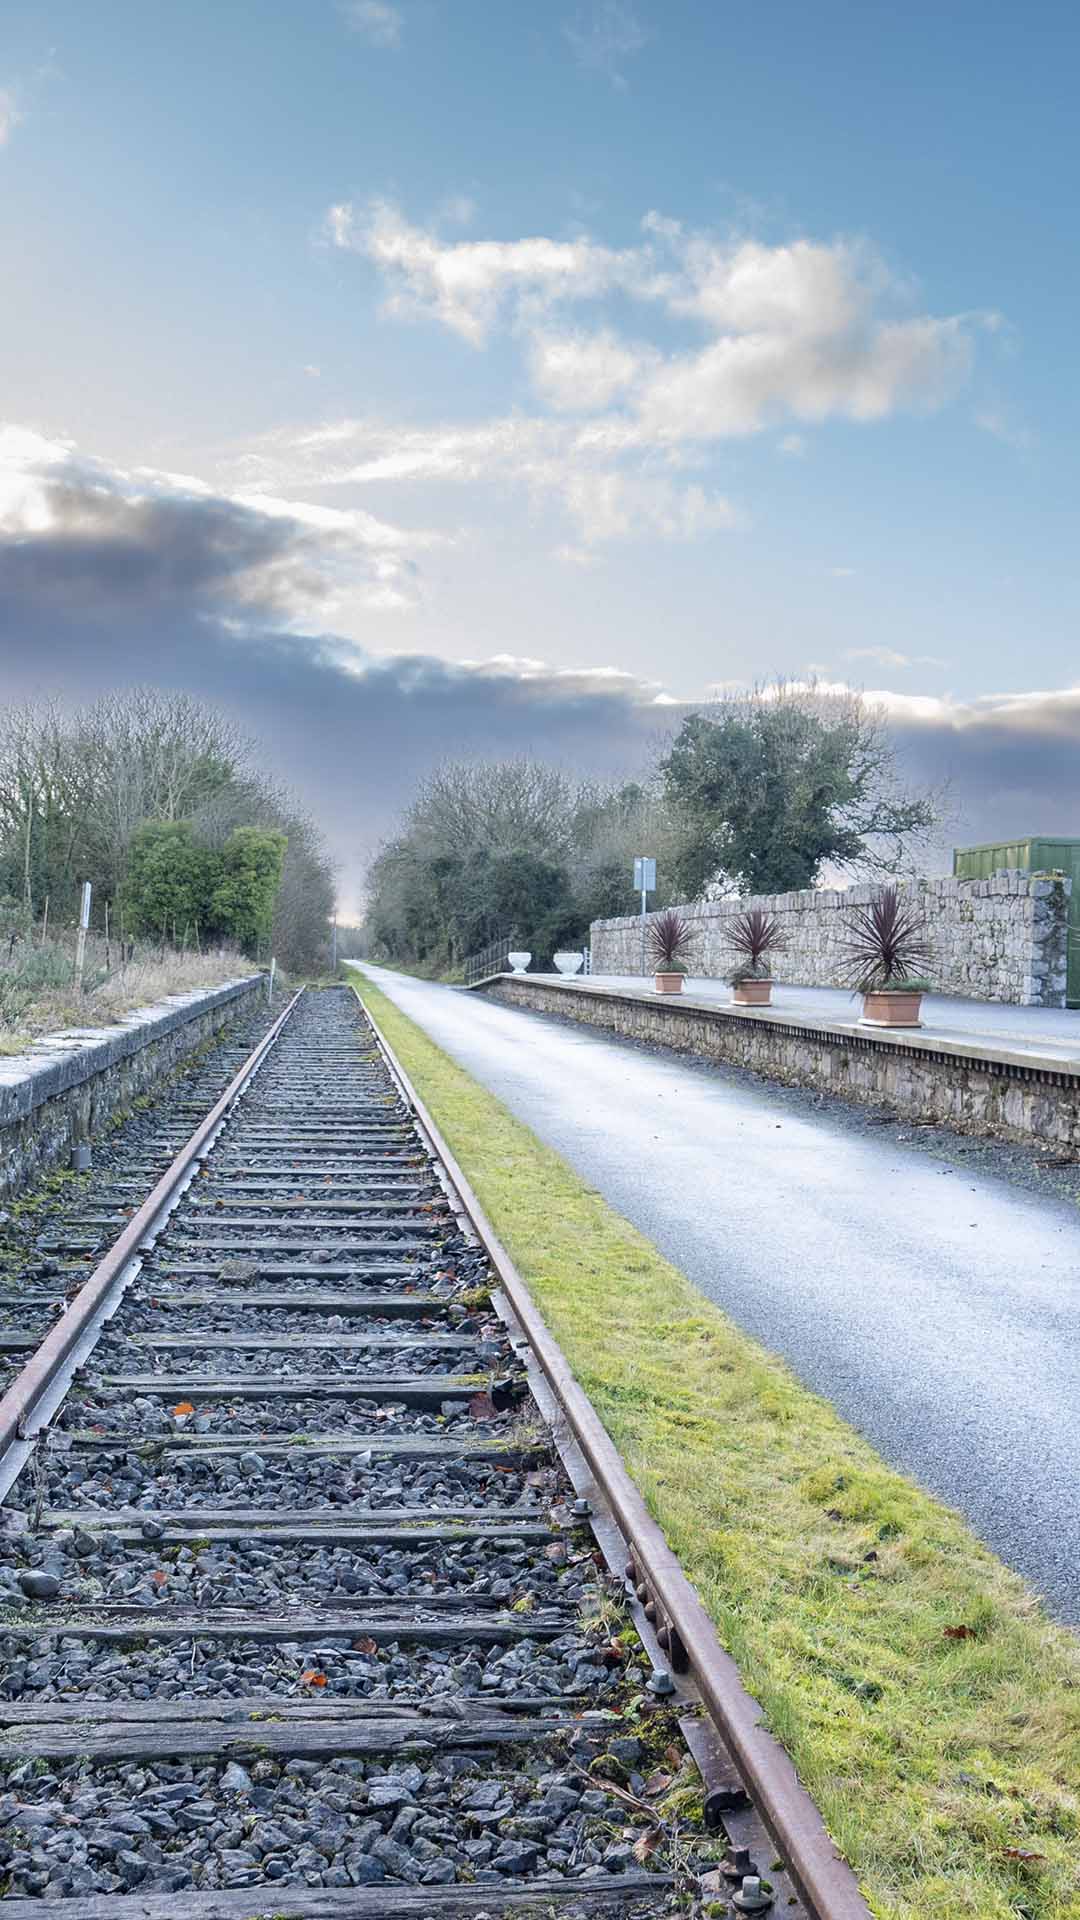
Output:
x=323 y=1592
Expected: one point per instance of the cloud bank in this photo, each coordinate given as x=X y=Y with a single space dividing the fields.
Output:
x=109 y=579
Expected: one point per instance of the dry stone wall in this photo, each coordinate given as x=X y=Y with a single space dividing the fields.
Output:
x=67 y=1086
x=1004 y=938
x=909 y=1077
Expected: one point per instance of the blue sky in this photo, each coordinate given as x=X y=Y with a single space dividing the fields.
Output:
x=688 y=342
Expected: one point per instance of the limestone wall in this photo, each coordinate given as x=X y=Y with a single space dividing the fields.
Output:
x=997 y=939
x=915 y=1076
x=66 y=1086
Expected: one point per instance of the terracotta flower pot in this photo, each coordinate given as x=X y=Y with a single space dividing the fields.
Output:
x=668 y=982
x=752 y=993
x=895 y=1007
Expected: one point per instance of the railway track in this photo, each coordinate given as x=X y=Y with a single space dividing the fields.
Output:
x=322 y=1592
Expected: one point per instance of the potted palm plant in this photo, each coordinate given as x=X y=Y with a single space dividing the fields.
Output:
x=887 y=945
x=753 y=936
x=671 y=942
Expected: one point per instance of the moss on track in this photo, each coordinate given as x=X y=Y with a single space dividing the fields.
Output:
x=932 y=1709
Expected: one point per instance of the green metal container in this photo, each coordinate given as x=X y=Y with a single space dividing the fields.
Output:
x=1042 y=853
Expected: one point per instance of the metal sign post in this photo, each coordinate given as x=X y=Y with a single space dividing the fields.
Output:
x=645 y=883
x=80 y=944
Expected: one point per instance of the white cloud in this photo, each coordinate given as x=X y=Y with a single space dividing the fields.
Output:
x=805 y=332
x=889 y=657
x=610 y=505
x=842 y=573
x=467 y=283
x=555 y=461
x=743 y=382
x=377 y=20
x=10 y=115
x=996 y=423
x=606 y=34
x=584 y=372
x=313 y=372
x=729 y=337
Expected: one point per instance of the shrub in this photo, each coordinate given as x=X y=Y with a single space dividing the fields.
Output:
x=887 y=946
x=753 y=936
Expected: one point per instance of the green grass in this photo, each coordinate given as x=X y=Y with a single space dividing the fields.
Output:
x=939 y=1758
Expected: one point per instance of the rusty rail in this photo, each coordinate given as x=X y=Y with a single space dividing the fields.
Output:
x=824 y=1880
x=34 y=1380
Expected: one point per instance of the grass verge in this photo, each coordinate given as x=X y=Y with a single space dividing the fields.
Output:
x=932 y=1709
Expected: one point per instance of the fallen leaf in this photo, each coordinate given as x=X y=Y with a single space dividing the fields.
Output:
x=183 y=1407
x=657 y=1782
x=674 y=1757
x=960 y=1633
x=311 y=1677
x=482 y=1407
x=645 y=1846
x=366 y=1644
x=1021 y=1853
x=158 y=1577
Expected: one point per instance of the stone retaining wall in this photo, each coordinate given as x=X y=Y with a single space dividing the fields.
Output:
x=999 y=939
x=978 y=1091
x=66 y=1086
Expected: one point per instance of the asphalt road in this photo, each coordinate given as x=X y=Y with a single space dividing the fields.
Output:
x=938 y=1310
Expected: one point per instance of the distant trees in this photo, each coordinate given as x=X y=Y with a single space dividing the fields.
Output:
x=758 y=792
x=514 y=846
x=773 y=785
x=155 y=799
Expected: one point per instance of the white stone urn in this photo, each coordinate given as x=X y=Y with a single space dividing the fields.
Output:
x=518 y=961
x=569 y=962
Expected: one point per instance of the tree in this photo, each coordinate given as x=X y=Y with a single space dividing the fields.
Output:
x=242 y=903
x=775 y=784
x=509 y=847
x=300 y=929
x=169 y=880
x=79 y=788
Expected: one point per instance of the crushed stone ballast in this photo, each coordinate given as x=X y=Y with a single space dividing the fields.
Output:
x=322 y=1592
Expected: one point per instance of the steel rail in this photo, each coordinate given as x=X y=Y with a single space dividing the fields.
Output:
x=30 y=1386
x=824 y=1879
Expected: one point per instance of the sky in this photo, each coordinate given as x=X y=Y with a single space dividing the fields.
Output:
x=433 y=377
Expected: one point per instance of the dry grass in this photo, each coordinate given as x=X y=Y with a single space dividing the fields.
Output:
x=931 y=1707
x=38 y=994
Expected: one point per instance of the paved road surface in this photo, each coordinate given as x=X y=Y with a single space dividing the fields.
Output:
x=939 y=1311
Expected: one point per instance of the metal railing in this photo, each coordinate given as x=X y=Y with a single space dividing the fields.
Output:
x=490 y=959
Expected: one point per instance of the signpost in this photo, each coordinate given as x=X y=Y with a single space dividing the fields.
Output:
x=644 y=883
x=80 y=944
